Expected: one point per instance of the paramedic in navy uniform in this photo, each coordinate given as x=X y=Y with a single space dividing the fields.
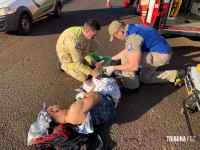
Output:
x=143 y=46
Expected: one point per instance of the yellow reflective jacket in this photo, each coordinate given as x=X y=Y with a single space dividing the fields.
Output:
x=72 y=48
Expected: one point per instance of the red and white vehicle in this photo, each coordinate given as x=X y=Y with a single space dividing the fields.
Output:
x=181 y=17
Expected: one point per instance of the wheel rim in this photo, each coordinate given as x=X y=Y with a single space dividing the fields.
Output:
x=25 y=25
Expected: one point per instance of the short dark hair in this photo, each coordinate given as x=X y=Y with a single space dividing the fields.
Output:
x=92 y=24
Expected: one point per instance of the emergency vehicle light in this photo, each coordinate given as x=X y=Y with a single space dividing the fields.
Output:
x=162 y=25
x=165 y=6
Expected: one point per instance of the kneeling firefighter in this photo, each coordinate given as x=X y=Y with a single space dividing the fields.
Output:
x=75 y=47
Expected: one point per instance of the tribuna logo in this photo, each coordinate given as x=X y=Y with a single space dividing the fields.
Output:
x=180 y=138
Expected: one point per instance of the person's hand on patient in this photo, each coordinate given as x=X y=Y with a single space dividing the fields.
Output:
x=96 y=71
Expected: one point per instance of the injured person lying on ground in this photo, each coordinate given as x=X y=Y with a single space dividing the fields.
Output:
x=95 y=106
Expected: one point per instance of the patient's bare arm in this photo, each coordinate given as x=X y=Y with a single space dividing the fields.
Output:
x=77 y=112
x=91 y=100
x=96 y=71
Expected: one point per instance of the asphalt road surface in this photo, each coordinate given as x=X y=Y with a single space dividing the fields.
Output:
x=29 y=77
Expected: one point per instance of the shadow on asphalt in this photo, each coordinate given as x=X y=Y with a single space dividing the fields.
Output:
x=184 y=57
x=52 y=25
x=133 y=106
x=193 y=38
x=104 y=131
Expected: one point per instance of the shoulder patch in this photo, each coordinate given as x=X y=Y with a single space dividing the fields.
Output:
x=78 y=46
x=129 y=47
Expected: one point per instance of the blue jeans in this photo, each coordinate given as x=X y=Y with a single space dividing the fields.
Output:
x=104 y=111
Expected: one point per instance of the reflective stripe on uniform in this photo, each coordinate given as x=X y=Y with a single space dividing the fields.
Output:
x=89 y=59
x=76 y=31
x=71 y=66
x=86 y=70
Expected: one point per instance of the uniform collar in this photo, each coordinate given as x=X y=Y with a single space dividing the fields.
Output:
x=126 y=28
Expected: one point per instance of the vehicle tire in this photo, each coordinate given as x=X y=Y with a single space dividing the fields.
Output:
x=137 y=10
x=24 y=24
x=57 y=11
x=128 y=3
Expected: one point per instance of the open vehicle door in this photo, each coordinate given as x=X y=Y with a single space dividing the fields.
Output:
x=181 y=17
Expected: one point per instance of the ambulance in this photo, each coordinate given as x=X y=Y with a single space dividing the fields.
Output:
x=180 y=17
x=18 y=15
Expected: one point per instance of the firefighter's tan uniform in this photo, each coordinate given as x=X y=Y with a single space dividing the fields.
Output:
x=73 y=48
